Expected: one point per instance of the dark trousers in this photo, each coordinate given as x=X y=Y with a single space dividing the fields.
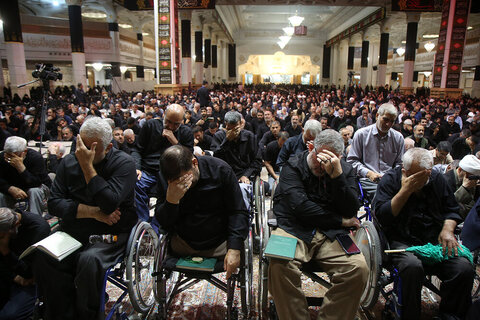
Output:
x=455 y=290
x=71 y=288
x=20 y=303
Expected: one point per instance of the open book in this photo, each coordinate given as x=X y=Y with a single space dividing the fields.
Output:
x=58 y=245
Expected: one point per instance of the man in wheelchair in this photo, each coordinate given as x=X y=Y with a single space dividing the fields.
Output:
x=202 y=207
x=93 y=194
x=314 y=201
x=414 y=206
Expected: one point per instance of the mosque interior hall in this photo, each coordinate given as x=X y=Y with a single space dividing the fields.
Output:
x=112 y=42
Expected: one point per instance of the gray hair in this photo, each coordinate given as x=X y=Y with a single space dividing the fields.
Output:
x=110 y=122
x=313 y=126
x=331 y=139
x=420 y=155
x=15 y=144
x=8 y=218
x=128 y=132
x=95 y=127
x=233 y=117
x=387 y=108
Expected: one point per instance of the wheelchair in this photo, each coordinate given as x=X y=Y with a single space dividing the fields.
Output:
x=133 y=275
x=171 y=281
x=367 y=240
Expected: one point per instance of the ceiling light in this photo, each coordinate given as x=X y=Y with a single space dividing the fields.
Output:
x=145 y=33
x=55 y=3
x=404 y=41
x=469 y=28
x=94 y=15
x=400 y=51
x=123 y=69
x=289 y=31
x=285 y=39
x=97 y=66
x=430 y=36
x=295 y=20
x=281 y=44
x=427 y=73
x=429 y=46
x=124 y=25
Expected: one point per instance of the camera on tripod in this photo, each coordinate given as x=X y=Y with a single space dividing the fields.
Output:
x=47 y=72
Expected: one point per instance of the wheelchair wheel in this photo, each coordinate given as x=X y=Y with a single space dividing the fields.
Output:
x=246 y=277
x=262 y=298
x=164 y=283
x=368 y=241
x=139 y=268
x=259 y=203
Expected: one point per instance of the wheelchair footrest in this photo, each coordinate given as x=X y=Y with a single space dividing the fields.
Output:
x=314 y=301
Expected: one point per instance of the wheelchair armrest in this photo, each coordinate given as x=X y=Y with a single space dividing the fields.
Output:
x=272 y=219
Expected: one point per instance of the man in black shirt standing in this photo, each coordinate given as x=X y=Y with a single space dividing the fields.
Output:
x=23 y=176
x=93 y=194
x=203 y=96
x=270 y=157
x=154 y=138
x=202 y=207
x=415 y=206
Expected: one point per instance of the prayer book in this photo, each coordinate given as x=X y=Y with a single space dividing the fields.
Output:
x=281 y=247
x=58 y=245
x=196 y=264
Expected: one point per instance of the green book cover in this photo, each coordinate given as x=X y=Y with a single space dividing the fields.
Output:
x=189 y=263
x=281 y=247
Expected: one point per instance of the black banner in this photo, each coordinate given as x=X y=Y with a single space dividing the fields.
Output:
x=10 y=14
x=476 y=76
x=326 y=62
x=214 y=56
x=411 y=41
x=76 y=28
x=351 y=55
x=208 y=53
x=113 y=26
x=139 y=37
x=198 y=46
x=383 y=56
x=140 y=72
x=232 y=60
x=186 y=39
x=116 y=69
x=364 y=60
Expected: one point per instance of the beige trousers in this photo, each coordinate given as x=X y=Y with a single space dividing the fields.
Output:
x=181 y=248
x=349 y=277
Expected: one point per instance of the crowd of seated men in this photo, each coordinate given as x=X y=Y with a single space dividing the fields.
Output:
x=195 y=147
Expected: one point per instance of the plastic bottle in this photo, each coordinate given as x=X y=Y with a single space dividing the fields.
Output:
x=105 y=238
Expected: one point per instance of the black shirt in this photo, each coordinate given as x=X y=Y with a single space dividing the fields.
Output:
x=421 y=218
x=112 y=188
x=34 y=175
x=304 y=203
x=152 y=144
x=293 y=132
x=241 y=154
x=211 y=212
x=271 y=154
x=205 y=144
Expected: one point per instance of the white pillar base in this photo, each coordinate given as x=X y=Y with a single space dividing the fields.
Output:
x=186 y=76
x=78 y=68
x=17 y=68
x=476 y=89
x=363 y=77
x=381 y=75
x=215 y=77
x=198 y=72
x=208 y=74
x=408 y=74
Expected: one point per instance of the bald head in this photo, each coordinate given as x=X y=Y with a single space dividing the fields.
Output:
x=173 y=117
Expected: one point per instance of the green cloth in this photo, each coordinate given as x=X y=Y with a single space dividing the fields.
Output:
x=431 y=254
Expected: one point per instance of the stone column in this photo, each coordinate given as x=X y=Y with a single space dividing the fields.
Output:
x=334 y=66
x=364 y=64
x=12 y=32
x=186 y=25
x=383 y=58
x=198 y=27
x=410 y=49
x=373 y=63
x=224 y=60
x=140 y=68
x=76 y=38
x=342 y=62
x=215 y=77
x=2 y=79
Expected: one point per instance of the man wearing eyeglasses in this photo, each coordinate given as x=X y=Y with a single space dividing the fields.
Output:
x=154 y=138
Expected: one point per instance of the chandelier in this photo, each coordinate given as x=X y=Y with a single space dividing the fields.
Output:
x=429 y=46
x=400 y=51
x=295 y=20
